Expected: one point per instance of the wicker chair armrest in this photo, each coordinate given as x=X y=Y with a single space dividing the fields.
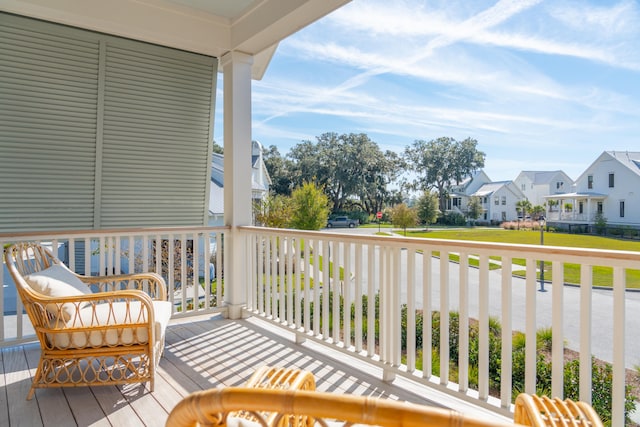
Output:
x=153 y=283
x=274 y=407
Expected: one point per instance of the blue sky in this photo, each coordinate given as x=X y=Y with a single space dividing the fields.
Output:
x=541 y=85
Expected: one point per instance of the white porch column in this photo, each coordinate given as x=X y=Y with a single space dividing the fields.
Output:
x=236 y=67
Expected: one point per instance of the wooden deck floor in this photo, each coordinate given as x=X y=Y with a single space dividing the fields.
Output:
x=200 y=353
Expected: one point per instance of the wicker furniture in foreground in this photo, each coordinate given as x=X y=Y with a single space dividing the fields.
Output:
x=274 y=377
x=302 y=408
x=541 y=411
x=92 y=330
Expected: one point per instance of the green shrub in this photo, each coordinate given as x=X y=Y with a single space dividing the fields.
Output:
x=601 y=388
x=452 y=218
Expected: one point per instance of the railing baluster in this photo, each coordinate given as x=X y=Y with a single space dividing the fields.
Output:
x=268 y=276
x=444 y=317
x=307 y=285
x=358 y=298
x=557 y=345
x=171 y=268
x=273 y=277
x=395 y=288
x=316 y=287
x=288 y=285
x=281 y=263
x=132 y=256
x=346 y=293
x=506 y=364
x=463 y=324
x=427 y=318
x=206 y=259
x=335 y=287
x=586 y=287
x=87 y=256
x=618 y=332
x=530 y=329
x=483 y=329
x=295 y=245
x=326 y=287
x=371 y=298
x=411 y=310
x=384 y=304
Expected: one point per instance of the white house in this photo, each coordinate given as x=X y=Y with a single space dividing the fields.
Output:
x=536 y=185
x=460 y=193
x=499 y=200
x=260 y=182
x=610 y=186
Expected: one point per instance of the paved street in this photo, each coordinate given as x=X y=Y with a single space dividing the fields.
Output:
x=602 y=306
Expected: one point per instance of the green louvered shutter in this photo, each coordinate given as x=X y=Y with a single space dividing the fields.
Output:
x=48 y=102
x=98 y=131
x=157 y=127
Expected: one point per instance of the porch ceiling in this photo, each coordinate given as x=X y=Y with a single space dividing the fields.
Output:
x=209 y=27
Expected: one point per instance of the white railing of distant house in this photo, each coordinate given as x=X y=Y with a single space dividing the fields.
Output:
x=298 y=279
x=108 y=252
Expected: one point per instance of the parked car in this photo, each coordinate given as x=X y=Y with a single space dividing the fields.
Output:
x=342 y=221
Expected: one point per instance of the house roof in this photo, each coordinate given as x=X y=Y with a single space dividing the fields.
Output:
x=630 y=159
x=490 y=188
x=213 y=28
x=466 y=180
x=541 y=177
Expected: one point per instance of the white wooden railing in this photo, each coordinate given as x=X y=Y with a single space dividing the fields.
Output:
x=297 y=279
x=289 y=278
x=110 y=252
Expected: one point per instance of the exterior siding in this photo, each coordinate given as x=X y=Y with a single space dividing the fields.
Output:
x=102 y=131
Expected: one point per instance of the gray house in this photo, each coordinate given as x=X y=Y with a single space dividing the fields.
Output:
x=260 y=183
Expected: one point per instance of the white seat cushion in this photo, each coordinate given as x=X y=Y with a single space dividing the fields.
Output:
x=118 y=313
x=58 y=281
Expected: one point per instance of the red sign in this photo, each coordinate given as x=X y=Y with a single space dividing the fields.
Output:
x=379 y=215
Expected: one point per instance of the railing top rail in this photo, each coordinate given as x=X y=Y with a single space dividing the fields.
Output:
x=38 y=235
x=547 y=251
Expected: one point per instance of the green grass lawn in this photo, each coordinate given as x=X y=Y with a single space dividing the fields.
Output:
x=602 y=276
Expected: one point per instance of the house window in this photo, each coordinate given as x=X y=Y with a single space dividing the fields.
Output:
x=497 y=201
x=590 y=182
x=559 y=185
x=504 y=200
x=600 y=210
x=621 y=208
x=611 y=180
x=484 y=200
x=523 y=187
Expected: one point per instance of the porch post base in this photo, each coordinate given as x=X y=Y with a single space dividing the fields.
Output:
x=300 y=337
x=235 y=311
x=388 y=375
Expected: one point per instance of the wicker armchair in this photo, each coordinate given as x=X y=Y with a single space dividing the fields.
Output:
x=303 y=408
x=92 y=330
x=541 y=411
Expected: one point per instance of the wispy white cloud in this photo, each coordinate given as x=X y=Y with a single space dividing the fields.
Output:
x=599 y=21
x=523 y=73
